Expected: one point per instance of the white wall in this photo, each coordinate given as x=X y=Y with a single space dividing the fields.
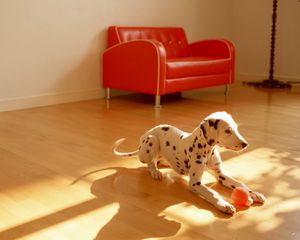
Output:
x=252 y=34
x=50 y=50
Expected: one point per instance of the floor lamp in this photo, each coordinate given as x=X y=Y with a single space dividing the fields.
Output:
x=271 y=82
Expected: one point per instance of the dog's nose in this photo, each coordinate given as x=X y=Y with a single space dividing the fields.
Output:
x=244 y=144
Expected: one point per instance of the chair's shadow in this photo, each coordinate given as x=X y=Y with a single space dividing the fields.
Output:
x=141 y=201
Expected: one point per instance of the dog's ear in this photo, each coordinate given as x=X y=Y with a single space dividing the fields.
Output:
x=214 y=123
x=209 y=123
x=209 y=128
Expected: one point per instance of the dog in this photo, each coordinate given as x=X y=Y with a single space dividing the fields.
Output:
x=192 y=153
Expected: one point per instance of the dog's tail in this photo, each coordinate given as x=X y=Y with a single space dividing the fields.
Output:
x=122 y=154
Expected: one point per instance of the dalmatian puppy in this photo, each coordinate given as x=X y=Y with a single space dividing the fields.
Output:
x=192 y=153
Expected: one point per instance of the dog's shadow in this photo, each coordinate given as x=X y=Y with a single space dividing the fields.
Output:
x=141 y=203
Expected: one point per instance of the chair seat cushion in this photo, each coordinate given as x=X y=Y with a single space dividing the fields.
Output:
x=196 y=66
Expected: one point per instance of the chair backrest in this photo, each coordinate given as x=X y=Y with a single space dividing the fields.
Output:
x=173 y=38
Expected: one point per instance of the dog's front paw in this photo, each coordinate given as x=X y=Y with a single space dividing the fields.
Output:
x=226 y=207
x=258 y=197
x=157 y=175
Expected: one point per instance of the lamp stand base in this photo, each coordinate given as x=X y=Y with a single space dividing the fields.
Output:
x=269 y=84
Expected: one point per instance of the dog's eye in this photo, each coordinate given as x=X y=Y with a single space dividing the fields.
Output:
x=228 y=131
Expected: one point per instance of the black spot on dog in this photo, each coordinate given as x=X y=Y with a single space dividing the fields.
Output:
x=199 y=145
x=211 y=123
x=227 y=131
x=150 y=144
x=211 y=142
x=197 y=183
x=165 y=128
x=129 y=154
x=203 y=130
x=216 y=124
x=198 y=156
x=181 y=137
x=148 y=151
x=221 y=177
x=198 y=162
x=204 y=145
x=187 y=165
x=194 y=174
x=167 y=143
x=233 y=187
x=185 y=151
x=220 y=182
x=174 y=148
x=191 y=149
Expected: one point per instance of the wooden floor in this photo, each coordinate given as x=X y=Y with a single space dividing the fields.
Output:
x=59 y=179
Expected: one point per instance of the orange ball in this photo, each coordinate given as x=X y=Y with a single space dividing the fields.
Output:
x=240 y=196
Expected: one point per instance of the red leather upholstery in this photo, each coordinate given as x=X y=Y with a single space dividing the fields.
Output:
x=196 y=66
x=159 y=60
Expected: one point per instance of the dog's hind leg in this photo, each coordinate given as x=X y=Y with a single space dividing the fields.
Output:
x=148 y=153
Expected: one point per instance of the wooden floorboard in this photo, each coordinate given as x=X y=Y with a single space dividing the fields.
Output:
x=59 y=179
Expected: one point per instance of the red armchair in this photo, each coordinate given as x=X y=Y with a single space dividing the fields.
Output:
x=159 y=60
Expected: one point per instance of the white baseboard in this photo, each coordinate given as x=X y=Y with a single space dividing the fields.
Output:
x=48 y=99
x=258 y=77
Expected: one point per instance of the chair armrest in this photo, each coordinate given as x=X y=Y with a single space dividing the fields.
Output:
x=137 y=65
x=214 y=48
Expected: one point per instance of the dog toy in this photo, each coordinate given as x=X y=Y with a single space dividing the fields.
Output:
x=240 y=196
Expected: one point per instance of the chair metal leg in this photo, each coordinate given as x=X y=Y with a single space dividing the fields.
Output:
x=226 y=92
x=107 y=93
x=157 y=101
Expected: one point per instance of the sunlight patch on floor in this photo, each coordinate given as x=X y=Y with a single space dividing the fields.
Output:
x=252 y=164
x=189 y=214
x=268 y=217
